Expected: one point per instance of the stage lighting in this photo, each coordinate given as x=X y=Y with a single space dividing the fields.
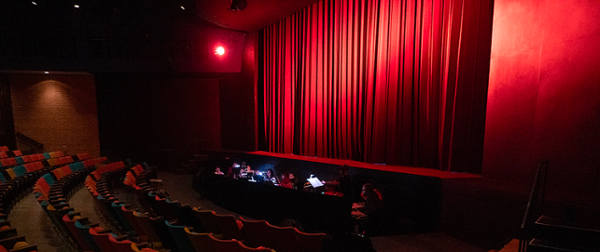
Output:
x=220 y=50
x=238 y=5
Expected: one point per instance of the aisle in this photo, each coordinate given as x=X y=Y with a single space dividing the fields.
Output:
x=179 y=187
x=30 y=220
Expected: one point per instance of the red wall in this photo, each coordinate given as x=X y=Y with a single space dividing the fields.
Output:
x=544 y=93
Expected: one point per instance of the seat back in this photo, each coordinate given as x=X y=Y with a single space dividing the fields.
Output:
x=310 y=242
x=200 y=241
x=229 y=227
x=164 y=208
x=3 y=179
x=75 y=234
x=11 y=173
x=101 y=239
x=284 y=239
x=128 y=212
x=25 y=248
x=256 y=232
x=224 y=245
x=120 y=246
x=181 y=239
x=188 y=217
x=144 y=222
x=48 y=179
x=121 y=219
x=245 y=248
x=20 y=170
x=11 y=232
x=208 y=221
x=10 y=242
x=84 y=231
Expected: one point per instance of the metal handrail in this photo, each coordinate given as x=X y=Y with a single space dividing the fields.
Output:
x=535 y=205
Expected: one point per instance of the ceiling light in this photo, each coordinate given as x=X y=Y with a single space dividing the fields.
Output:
x=46 y=72
x=76 y=6
x=183 y=8
x=34 y=3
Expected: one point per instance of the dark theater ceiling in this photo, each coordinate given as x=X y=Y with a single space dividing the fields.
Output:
x=258 y=14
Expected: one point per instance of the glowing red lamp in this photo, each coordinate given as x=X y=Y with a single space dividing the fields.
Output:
x=220 y=50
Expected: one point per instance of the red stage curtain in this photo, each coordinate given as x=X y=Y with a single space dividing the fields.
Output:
x=380 y=81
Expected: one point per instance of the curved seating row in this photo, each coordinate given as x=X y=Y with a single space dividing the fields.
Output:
x=10 y=161
x=97 y=239
x=52 y=190
x=15 y=182
x=6 y=152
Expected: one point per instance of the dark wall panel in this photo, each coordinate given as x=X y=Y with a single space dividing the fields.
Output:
x=146 y=117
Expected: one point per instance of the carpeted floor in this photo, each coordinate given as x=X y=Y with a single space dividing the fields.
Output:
x=29 y=219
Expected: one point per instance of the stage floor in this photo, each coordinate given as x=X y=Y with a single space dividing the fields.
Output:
x=389 y=168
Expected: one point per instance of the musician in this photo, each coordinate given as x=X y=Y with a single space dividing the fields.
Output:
x=288 y=180
x=344 y=184
x=270 y=177
x=218 y=171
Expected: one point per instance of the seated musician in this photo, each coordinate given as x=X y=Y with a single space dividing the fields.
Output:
x=285 y=180
x=369 y=213
x=218 y=171
x=270 y=177
x=230 y=173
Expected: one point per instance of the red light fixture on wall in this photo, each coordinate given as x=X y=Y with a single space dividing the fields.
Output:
x=219 y=50
x=238 y=5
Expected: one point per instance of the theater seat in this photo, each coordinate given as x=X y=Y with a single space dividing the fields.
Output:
x=11 y=242
x=75 y=234
x=229 y=226
x=256 y=232
x=224 y=245
x=200 y=241
x=145 y=224
x=120 y=244
x=137 y=248
x=284 y=239
x=310 y=242
x=23 y=246
x=128 y=212
x=7 y=233
x=208 y=221
x=180 y=237
x=244 y=248
x=101 y=237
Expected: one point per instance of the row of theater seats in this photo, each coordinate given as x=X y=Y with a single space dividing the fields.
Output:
x=14 y=183
x=207 y=231
x=95 y=238
x=6 y=152
x=50 y=157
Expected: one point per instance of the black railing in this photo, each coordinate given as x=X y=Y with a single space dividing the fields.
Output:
x=535 y=205
x=29 y=142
